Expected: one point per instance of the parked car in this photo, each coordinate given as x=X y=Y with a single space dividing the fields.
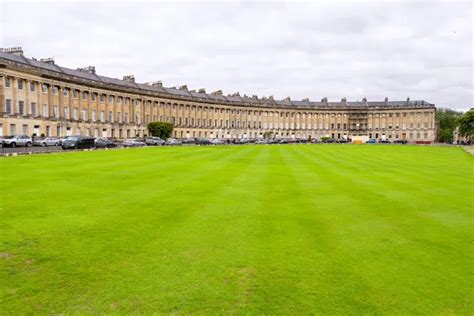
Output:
x=172 y=142
x=342 y=141
x=217 y=141
x=384 y=141
x=203 y=141
x=17 y=140
x=62 y=140
x=103 y=142
x=46 y=141
x=132 y=142
x=371 y=141
x=188 y=141
x=400 y=141
x=328 y=140
x=262 y=141
x=242 y=141
x=78 y=142
x=154 y=141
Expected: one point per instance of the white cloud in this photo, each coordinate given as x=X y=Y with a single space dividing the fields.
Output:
x=345 y=49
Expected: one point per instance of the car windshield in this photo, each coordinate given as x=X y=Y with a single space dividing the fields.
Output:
x=9 y=137
x=72 y=138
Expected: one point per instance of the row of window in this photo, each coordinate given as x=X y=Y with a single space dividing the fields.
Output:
x=138 y=102
x=186 y=121
x=21 y=110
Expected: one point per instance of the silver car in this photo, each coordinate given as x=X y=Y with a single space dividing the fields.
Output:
x=17 y=140
x=154 y=141
x=133 y=143
x=173 y=142
x=217 y=141
x=46 y=141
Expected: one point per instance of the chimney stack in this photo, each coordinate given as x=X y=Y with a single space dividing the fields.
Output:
x=183 y=87
x=129 y=78
x=13 y=50
x=218 y=92
x=48 y=60
x=88 y=69
x=202 y=90
x=305 y=99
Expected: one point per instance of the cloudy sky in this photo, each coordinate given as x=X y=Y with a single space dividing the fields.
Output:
x=353 y=49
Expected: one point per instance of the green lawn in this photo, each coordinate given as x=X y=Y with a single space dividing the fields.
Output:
x=287 y=229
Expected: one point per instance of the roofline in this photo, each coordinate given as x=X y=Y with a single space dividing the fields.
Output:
x=140 y=89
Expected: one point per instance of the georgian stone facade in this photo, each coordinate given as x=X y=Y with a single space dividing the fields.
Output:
x=39 y=97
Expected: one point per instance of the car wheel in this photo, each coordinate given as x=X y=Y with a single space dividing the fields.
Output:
x=28 y=144
x=43 y=144
x=13 y=145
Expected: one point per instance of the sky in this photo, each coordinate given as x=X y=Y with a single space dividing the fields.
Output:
x=352 y=49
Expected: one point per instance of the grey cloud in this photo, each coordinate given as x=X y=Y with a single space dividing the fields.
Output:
x=344 y=49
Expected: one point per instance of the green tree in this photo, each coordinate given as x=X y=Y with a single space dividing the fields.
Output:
x=447 y=121
x=445 y=135
x=466 y=124
x=160 y=129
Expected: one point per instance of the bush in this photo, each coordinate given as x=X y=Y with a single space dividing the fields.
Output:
x=160 y=129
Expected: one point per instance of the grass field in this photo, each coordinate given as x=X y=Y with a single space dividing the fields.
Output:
x=289 y=229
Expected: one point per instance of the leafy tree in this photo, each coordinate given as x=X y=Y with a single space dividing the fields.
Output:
x=447 y=120
x=160 y=129
x=445 y=135
x=466 y=124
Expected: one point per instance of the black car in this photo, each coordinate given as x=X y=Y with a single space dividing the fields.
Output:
x=102 y=142
x=384 y=141
x=328 y=140
x=400 y=141
x=203 y=141
x=78 y=142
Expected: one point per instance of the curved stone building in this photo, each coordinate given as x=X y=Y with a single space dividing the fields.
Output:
x=40 y=97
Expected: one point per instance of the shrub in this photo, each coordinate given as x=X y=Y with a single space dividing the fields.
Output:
x=160 y=129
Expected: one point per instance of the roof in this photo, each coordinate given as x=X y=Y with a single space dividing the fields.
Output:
x=183 y=93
